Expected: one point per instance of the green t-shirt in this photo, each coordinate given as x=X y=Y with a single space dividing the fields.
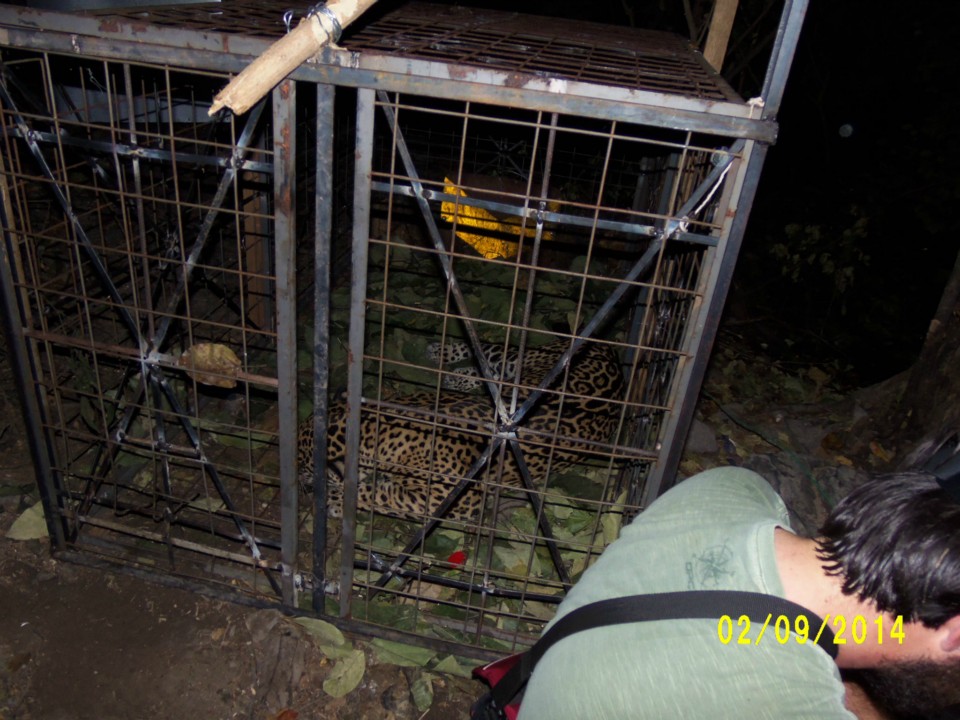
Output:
x=711 y=532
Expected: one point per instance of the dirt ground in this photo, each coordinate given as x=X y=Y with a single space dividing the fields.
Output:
x=79 y=643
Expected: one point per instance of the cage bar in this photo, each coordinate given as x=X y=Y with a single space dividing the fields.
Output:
x=405 y=345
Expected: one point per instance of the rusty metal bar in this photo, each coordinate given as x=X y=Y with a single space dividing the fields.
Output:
x=165 y=538
x=135 y=151
x=781 y=56
x=640 y=230
x=699 y=345
x=285 y=253
x=156 y=359
x=363 y=149
x=231 y=53
x=322 y=261
x=41 y=452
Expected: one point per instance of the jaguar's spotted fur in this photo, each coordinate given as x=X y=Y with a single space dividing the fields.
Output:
x=423 y=443
x=467 y=377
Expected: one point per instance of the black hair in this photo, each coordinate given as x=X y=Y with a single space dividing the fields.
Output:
x=896 y=541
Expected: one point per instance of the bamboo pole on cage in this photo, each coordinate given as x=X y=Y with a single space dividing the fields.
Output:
x=321 y=27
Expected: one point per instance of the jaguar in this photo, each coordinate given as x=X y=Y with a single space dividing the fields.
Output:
x=415 y=448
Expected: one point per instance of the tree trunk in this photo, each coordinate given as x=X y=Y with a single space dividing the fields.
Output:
x=930 y=405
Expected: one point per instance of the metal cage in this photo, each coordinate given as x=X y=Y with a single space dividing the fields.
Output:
x=483 y=253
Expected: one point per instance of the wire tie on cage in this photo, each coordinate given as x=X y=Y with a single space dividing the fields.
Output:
x=322 y=9
x=287 y=19
x=712 y=191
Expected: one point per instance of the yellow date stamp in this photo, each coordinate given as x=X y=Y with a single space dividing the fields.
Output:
x=857 y=631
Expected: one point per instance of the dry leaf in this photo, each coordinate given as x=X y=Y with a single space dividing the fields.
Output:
x=880 y=452
x=401 y=654
x=211 y=364
x=346 y=674
x=285 y=714
x=31 y=525
x=818 y=376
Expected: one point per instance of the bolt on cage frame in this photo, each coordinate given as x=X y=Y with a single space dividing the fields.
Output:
x=157 y=326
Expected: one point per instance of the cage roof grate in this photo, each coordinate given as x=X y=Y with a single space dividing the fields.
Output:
x=505 y=41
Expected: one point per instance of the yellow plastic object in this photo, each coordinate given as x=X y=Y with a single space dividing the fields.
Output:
x=478 y=219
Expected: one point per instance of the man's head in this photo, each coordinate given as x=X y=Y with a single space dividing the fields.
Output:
x=895 y=541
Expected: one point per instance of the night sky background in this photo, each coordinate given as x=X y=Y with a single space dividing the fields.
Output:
x=868 y=130
x=854 y=231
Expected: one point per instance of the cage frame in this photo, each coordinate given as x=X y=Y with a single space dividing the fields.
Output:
x=129 y=40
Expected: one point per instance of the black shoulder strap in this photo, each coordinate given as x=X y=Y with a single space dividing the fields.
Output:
x=692 y=604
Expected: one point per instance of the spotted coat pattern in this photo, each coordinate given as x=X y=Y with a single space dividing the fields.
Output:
x=418 y=446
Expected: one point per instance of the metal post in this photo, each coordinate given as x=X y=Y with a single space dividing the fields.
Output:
x=321 y=333
x=781 y=57
x=40 y=451
x=358 y=312
x=702 y=334
x=285 y=234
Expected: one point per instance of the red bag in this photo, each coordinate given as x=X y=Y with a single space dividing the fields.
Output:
x=487 y=708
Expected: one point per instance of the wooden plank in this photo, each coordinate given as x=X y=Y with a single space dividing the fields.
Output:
x=721 y=24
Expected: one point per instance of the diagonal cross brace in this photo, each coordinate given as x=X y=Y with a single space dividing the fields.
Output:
x=505 y=419
x=454 y=495
x=240 y=151
x=418 y=193
x=694 y=204
x=150 y=373
x=673 y=226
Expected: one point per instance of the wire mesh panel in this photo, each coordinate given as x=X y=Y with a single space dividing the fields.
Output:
x=617 y=56
x=529 y=288
x=487 y=295
x=141 y=237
